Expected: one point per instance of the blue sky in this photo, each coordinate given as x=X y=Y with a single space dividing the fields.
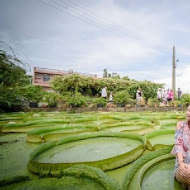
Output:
x=130 y=37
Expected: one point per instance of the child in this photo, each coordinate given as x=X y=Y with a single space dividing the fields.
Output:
x=110 y=97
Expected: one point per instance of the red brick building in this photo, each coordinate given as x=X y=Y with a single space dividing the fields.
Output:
x=43 y=76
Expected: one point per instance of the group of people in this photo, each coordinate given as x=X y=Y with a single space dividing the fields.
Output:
x=163 y=96
x=167 y=96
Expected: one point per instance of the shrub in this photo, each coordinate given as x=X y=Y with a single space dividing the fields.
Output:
x=52 y=98
x=77 y=100
x=122 y=97
x=100 y=101
x=13 y=78
x=33 y=93
x=153 y=102
x=176 y=103
x=185 y=99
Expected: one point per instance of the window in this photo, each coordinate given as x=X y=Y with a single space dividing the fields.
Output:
x=38 y=76
x=46 y=77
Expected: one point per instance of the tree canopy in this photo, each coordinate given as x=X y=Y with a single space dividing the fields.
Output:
x=13 y=79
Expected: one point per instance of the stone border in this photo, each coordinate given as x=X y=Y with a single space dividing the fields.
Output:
x=105 y=109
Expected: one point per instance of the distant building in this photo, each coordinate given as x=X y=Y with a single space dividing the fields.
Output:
x=43 y=76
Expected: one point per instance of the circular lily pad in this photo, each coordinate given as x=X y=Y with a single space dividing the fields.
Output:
x=160 y=175
x=136 y=129
x=103 y=150
x=54 y=133
x=135 y=174
x=78 y=177
x=160 y=138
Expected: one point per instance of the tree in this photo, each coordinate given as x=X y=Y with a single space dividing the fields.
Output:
x=105 y=73
x=126 y=78
x=12 y=80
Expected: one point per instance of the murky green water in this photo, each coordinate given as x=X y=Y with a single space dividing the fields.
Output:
x=14 y=154
x=118 y=173
x=88 y=150
x=161 y=177
x=65 y=183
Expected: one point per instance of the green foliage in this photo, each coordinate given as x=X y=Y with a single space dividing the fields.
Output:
x=149 y=89
x=33 y=93
x=52 y=98
x=100 y=101
x=152 y=102
x=122 y=97
x=126 y=78
x=185 y=99
x=176 y=103
x=93 y=86
x=77 y=100
x=72 y=83
x=13 y=78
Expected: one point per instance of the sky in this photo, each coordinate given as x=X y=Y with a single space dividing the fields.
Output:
x=133 y=38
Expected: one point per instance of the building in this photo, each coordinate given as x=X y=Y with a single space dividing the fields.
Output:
x=43 y=76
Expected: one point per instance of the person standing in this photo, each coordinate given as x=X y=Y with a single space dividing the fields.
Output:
x=159 y=95
x=139 y=95
x=179 y=92
x=164 y=97
x=170 y=95
x=104 y=92
x=110 y=97
x=182 y=151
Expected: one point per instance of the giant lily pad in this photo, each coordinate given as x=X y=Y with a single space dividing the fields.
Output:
x=103 y=150
x=78 y=177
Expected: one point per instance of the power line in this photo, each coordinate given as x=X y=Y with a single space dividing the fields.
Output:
x=116 y=26
x=15 y=53
x=95 y=22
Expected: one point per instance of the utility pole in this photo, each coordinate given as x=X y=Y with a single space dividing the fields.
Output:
x=173 y=70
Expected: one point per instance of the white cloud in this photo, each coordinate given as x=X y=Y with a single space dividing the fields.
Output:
x=182 y=82
x=132 y=38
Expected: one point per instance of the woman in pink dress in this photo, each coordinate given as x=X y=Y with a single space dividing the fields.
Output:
x=182 y=151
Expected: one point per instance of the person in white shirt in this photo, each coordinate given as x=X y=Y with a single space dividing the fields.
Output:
x=159 y=94
x=110 y=97
x=164 y=97
x=104 y=92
